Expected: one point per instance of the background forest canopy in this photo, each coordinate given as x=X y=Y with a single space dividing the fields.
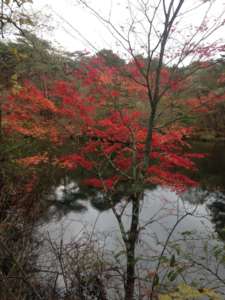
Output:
x=36 y=60
x=116 y=124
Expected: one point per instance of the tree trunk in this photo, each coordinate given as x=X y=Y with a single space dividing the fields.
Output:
x=130 y=247
x=148 y=142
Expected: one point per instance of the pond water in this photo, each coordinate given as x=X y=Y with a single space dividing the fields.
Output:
x=161 y=209
x=76 y=211
x=161 y=205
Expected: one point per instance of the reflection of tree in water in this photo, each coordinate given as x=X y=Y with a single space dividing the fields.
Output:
x=212 y=181
x=195 y=196
x=70 y=197
x=67 y=197
x=217 y=210
x=214 y=201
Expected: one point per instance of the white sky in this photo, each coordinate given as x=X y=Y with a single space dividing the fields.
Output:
x=69 y=20
x=76 y=29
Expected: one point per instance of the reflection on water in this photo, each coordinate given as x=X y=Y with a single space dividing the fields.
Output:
x=69 y=201
x=75 y=210
x=160 y=208
x=74 y=206
x=217 y=210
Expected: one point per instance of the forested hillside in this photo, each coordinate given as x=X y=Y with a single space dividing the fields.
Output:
x=112 y=129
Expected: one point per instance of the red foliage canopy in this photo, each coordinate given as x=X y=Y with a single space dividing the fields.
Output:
x=99 y=111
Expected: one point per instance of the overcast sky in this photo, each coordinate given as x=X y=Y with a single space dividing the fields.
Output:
x=76 y=29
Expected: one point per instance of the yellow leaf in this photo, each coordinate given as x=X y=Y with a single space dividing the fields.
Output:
x=186 y=292
x=165 y=297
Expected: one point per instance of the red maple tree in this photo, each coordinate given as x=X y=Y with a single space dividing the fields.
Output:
x=99 y=113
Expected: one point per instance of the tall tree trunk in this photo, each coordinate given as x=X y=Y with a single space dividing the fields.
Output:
x=148 y=141
x=130 y=247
